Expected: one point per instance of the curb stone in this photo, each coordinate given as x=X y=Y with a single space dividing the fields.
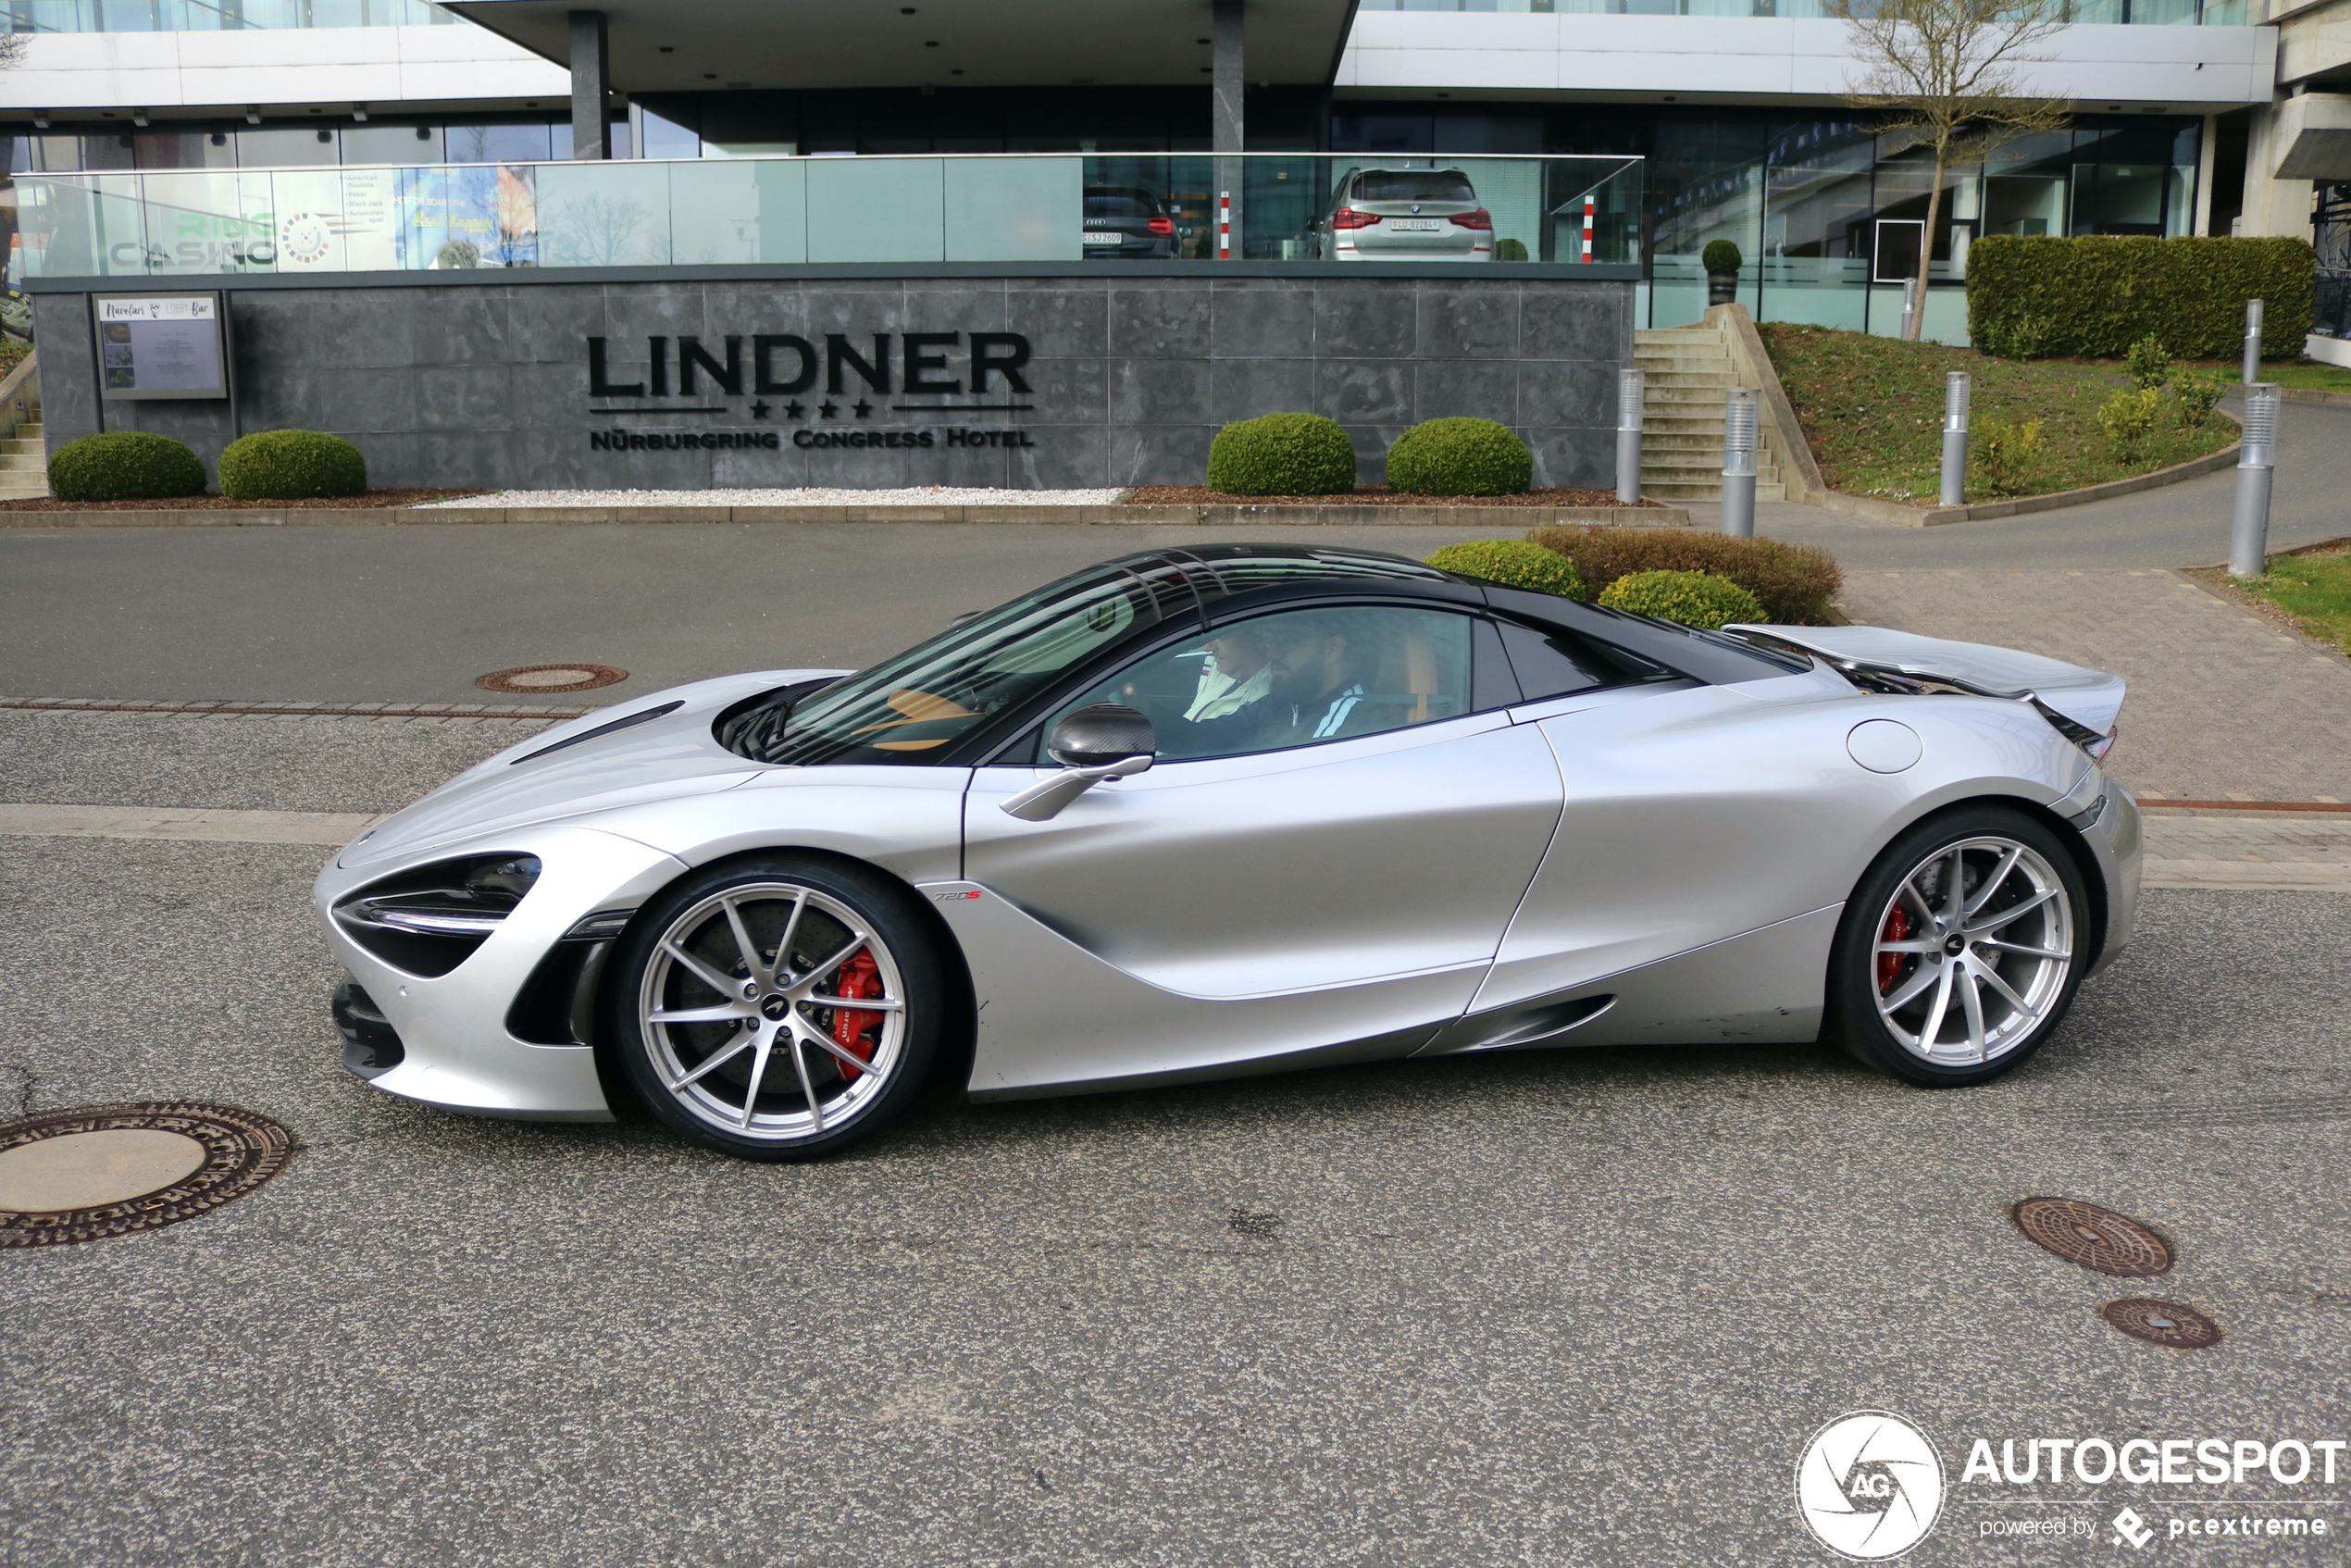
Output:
x=1510 y=517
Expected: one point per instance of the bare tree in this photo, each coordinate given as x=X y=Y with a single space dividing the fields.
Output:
x=1945 y=74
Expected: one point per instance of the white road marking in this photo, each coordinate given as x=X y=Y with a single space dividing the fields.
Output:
x=332 y=828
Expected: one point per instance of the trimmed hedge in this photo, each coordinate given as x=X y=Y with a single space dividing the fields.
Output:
x=1460 y=457
x=1699 y=598
x=291 y=465
x=125 y=465
x=2093 y=297
x=1796 y=584
x=1513 y=563
x=1721 y=256
x=1282 y=455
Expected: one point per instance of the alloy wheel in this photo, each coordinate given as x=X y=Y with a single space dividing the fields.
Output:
x=772 y=1010
x=1973 y=951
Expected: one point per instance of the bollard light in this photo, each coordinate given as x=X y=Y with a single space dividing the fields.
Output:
x=2257 y=463
x=2252 y=342
x=1955 y=400
x=1739 y=418
x=1631 y=387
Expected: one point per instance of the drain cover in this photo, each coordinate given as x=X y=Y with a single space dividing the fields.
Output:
x=541 y=679
x=115 y=1170
x=2094 y=1238
x=2163 y=1322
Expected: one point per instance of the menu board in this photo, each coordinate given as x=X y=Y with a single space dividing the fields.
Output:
x=160 y=345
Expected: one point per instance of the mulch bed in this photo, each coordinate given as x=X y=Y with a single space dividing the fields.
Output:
x=1369 y=495
x=222 y=503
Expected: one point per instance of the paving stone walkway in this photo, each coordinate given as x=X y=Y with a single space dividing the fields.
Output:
x=2222 y=706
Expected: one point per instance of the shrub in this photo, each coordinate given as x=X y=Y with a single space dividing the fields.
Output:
x=2015 y=337
x=1510 y=250
x=2198 y=391
x=1796 y=584
x=2148 y=365
x=1513 y=563
x=291 y=465
x=2008 y=455
x=2098 y=295
x=2125 y=420
x=1720 y=256
x=1460 y=457
x=1282 y=455
x=125 y=465
x=1699 y=598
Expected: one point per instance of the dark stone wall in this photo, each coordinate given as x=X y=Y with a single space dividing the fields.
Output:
x=487 y=383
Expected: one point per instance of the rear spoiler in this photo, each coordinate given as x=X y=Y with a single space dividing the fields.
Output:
x=2081 y=704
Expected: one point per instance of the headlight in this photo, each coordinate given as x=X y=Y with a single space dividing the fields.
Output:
x=430 y=920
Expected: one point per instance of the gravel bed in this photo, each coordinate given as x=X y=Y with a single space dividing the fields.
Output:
x=930 y=495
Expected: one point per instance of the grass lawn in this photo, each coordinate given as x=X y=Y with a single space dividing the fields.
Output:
x=2314 y=589
x=2306 y=374
x=1873 y=410
x=12 y=355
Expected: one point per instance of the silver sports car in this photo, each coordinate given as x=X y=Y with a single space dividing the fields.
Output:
x=1195 y=814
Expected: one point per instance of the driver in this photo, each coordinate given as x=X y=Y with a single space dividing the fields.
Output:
x=1233 y=676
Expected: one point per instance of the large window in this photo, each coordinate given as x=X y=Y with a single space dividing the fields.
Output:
x=215 y=15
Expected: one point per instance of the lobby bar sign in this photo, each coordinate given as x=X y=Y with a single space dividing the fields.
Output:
x=842 y=392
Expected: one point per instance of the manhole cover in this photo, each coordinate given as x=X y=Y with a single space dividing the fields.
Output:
x=115 y=1170
x=539 y=680
x=2163 y=1322
x=2094 y=1238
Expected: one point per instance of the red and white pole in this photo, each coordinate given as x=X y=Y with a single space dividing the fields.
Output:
x=1587 y=228
x=1224 y=226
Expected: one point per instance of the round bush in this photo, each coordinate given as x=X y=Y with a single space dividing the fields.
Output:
x=125 y=465
x=1460 y=457
x=1699 y=598
x=1282 y=455
x=1513 y=562
x=291 y=465
x=1720 y=256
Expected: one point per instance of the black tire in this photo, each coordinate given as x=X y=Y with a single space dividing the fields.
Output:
x=2048 y=912
x=696 y=1075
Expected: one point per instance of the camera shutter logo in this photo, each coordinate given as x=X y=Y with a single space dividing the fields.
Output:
x=1870 y=1486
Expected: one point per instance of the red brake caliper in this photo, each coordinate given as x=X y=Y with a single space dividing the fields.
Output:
x=855 y=1030
x=1889 y=964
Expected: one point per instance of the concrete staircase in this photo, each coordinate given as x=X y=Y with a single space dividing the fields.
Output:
x=24 y=461
x=1686 y=372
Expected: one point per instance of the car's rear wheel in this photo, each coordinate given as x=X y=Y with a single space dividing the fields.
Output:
x=777 y=1008
x=1962 y=949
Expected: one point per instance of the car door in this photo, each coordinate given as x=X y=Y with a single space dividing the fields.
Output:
x=1344 y=828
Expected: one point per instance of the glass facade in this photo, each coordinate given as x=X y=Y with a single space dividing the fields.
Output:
x=2162 y=13
x=216 y=16
x=211 y=221
x=1824 y=210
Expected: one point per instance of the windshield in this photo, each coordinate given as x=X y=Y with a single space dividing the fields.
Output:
x=904 y=709
x=1414 y=186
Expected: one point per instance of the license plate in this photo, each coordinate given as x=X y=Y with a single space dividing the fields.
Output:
x=1094 y=237
x=1415 y=225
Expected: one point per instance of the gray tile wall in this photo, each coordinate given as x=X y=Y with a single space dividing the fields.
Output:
x=487 y=385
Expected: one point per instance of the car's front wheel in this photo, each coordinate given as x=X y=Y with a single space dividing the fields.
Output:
x=775 y=1008
x=1960 y=950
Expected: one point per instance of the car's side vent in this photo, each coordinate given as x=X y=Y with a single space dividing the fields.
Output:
x=427 y=921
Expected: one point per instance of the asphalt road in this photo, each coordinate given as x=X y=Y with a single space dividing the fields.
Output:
x=413 y=614
x=1550 y=1308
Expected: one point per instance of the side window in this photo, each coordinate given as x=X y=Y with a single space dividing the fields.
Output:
x=1296 y=679
x=1557 y=663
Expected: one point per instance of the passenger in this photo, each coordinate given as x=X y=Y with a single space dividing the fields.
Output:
x=1315 y=692
x=1234 y=676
